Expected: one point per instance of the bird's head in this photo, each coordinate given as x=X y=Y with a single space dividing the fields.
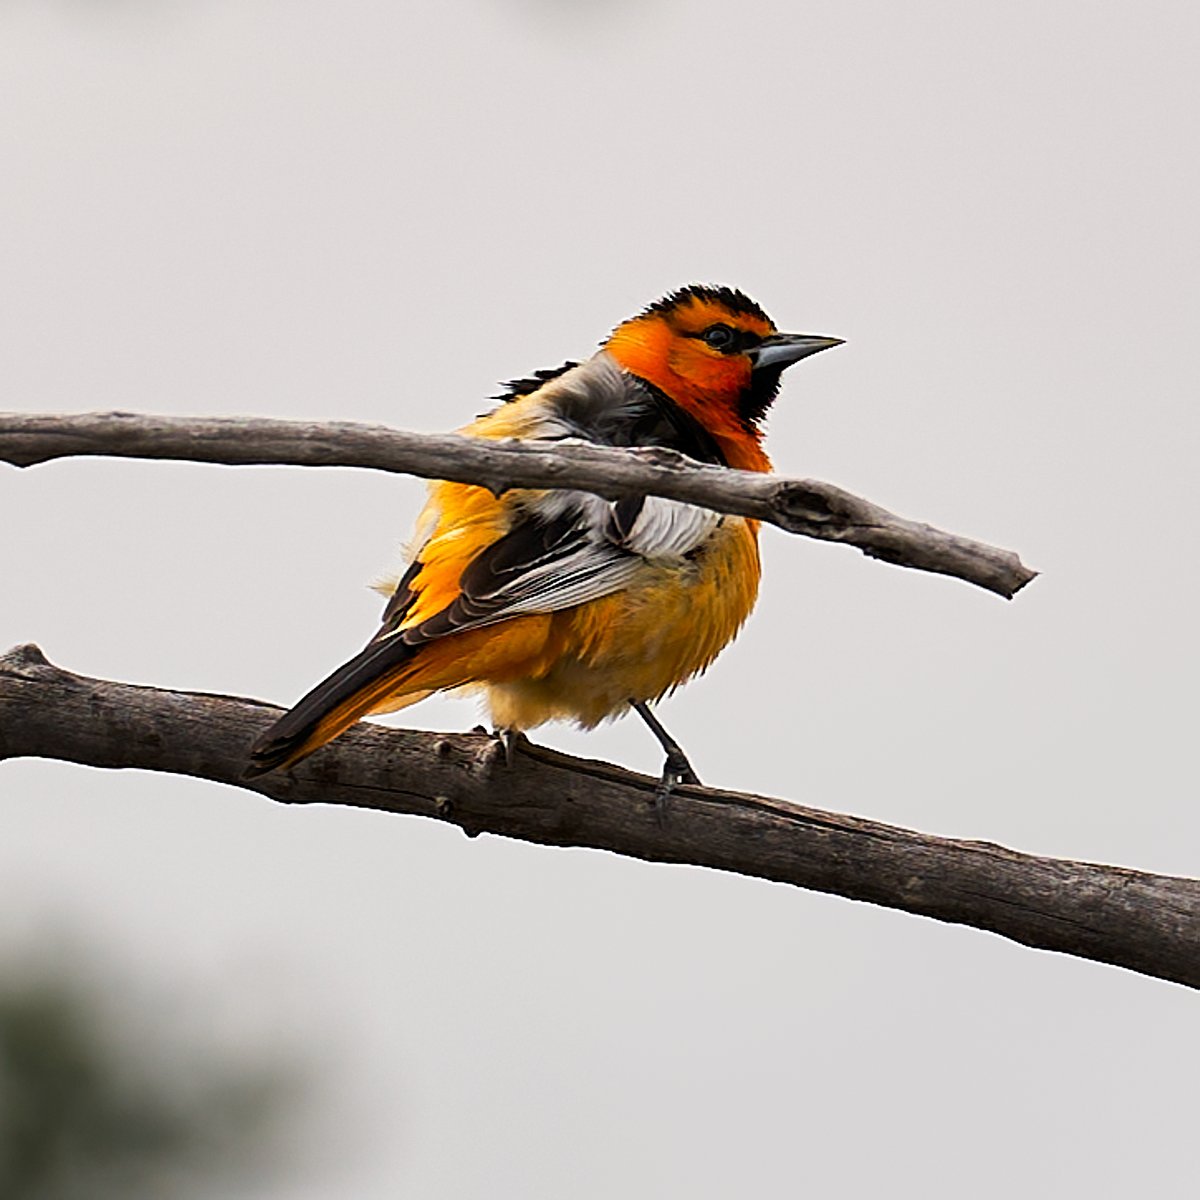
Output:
x=714 y=352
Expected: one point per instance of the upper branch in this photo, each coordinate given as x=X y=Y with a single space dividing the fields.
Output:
x=805 y=506
x=1147 y=923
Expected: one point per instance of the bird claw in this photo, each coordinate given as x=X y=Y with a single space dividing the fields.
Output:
x=677 y=764
x=510 y=739
x=676 y=771
x=500 y=748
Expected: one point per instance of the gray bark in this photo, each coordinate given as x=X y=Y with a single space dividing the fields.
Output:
x=1146 y=923
x=804 y=506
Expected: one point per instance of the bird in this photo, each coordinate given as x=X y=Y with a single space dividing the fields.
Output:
x=559 y=604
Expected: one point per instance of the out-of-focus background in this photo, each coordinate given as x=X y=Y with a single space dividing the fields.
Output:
x=375 y=211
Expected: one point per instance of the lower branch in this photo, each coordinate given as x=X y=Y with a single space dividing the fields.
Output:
x=1146 y=923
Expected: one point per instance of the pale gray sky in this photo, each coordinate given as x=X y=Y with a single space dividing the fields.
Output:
x=375 y=211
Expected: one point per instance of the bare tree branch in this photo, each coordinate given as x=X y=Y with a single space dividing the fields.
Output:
x=1146 y=923
x=804 y=506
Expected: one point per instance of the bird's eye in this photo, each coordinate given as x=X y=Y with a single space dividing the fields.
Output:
x=719 y=337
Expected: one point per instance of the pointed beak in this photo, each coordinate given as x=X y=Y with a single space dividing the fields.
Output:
x=782 y=349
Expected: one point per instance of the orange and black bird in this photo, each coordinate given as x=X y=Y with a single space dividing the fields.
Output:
x=561 y=605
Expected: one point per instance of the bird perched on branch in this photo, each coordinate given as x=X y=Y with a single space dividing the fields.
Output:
x=561 y=605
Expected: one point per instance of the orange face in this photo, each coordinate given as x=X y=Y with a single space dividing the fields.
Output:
x=718 y=356
x=694 y=346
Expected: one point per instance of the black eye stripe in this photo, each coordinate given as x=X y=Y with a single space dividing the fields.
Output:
x=739 y=341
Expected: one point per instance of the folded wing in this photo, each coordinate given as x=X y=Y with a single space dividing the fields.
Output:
x=494 y=560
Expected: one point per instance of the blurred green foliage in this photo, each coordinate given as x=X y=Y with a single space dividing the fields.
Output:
x=93 y=1108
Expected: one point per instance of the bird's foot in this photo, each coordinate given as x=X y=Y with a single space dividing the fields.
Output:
x=510 y=739
x=500 y=748
x=676 y=770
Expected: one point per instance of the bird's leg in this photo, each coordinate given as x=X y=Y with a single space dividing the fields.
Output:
x=676 y=769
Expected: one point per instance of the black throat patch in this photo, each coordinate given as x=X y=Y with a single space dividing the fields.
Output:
x=755 y=400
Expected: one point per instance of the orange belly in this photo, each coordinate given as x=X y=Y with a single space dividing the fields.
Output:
x=638 y=644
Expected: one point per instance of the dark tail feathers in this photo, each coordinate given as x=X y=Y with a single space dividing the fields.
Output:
x=288 y=740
